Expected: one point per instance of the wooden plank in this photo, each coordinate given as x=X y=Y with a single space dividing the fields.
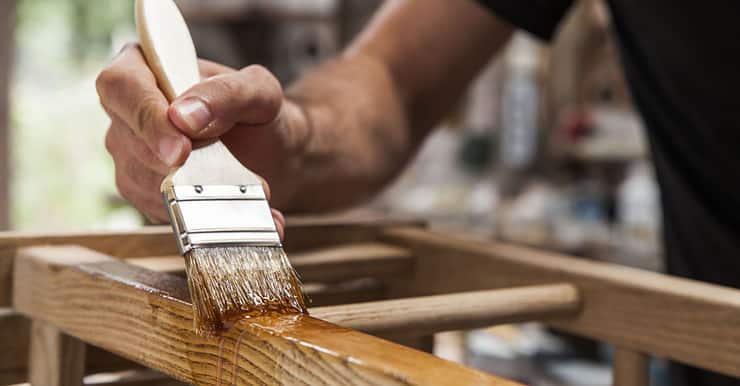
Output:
x=14 y=331
x=56 y=358
x=146 y=317
x=683 y=320
x=7 y=25
x=631 y=368
x=303 y=233
x=147 y=241
x=324 y=265
x=15 y=341
x=413 y=317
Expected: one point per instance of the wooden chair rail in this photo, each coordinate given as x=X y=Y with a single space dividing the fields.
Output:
x=324 y=265
x=462 y=311
x=158 y=240
x=645 y=312
x=145 y=316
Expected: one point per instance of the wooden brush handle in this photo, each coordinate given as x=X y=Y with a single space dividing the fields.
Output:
x=170 y=53
x=167 y=45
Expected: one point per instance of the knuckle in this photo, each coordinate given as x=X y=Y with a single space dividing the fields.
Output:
x=130 y=46
x=108 y=80
x=135 y=177
x=257 y=70
x=271 y=102
x=146 y=114
x=225 y=86
x=267 y=92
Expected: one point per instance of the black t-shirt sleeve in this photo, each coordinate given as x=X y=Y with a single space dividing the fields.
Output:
x=539 y=17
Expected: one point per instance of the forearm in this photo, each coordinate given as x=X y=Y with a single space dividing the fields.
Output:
x=369 y=110
x=358 y=134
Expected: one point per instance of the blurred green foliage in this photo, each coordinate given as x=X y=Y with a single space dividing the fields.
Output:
x=83 y=28
x=62 y=176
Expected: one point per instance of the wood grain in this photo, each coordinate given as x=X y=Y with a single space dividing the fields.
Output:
x=420 y=316
x=145 y=316
x=679 y=319
x=631 y=368
x=56 y=358
x=13 y=359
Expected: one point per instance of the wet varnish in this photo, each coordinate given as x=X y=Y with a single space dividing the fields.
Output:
x=298 y=349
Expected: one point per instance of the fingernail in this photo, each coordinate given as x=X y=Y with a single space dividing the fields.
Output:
x=170 y=149
x=194 y=114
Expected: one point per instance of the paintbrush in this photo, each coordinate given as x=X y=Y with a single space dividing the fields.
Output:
x=218 y=209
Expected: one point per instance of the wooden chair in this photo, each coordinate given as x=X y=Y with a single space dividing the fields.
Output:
x=117 y=303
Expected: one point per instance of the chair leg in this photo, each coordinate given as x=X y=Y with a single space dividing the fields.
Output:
x=631 y=368
x=56 y=359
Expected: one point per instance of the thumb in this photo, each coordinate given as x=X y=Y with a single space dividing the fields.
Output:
x=252 y=96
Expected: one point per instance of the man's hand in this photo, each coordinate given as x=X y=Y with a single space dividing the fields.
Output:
x=361 y=117
x=148 y=136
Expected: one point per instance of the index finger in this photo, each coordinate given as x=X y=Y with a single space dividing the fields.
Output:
x=128 y=89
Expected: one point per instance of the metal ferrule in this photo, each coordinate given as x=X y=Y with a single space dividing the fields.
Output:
x=220 y=216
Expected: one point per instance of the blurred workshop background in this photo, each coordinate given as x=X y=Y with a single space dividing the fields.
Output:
x=546 y=149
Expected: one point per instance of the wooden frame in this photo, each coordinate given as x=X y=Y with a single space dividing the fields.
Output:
x=90 y=295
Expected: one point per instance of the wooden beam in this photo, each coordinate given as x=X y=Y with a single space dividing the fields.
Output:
x=56 y=359
x=324 y=265
x=14 y=331
x=7 y=25
x=147 y=241
x=428 y=315
x=631 y=368
x=303 y=233
x=145 y=316
x=682 y=320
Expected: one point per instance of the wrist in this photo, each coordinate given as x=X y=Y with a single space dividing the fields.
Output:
x=296 y=131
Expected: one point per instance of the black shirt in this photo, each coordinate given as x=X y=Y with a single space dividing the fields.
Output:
x=682 y=63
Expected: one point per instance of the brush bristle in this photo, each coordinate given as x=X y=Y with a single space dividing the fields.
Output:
x=226 y=283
